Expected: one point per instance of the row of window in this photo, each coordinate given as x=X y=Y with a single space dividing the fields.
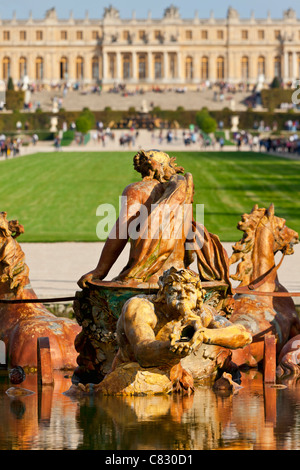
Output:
x=39 y=35
x=205 y=64
x=143 y=64
x=189 y=35
x=39 y=68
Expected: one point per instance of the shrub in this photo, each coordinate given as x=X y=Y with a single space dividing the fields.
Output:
x=14 y=99
x=90 y=116
x=271 y=99
x=206 y=122
x=83 y=124
x=10 y=84
x=275 y=83
x=209 y=125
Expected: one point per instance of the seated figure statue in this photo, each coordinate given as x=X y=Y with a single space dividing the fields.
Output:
x=151 y=251
x=167 y=236
x=154 y=332
x=157 y=221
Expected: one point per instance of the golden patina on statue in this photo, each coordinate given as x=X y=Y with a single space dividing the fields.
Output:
x=21 y=324
x=155 y=332
x=153 y=261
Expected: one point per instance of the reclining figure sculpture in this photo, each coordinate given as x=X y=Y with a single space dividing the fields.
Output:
x=155 y=332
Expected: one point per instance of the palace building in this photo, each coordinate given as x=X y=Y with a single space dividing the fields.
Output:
x=169 y=51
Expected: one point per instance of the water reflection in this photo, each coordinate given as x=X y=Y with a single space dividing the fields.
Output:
x=257 y=417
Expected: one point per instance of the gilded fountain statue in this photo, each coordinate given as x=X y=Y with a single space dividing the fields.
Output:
x=171 y=318
x=157 y=314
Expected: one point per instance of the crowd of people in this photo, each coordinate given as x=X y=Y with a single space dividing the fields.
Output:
x=289 y=144
x=9 y=146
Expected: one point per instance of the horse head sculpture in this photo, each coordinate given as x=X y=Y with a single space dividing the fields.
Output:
x=265 y=234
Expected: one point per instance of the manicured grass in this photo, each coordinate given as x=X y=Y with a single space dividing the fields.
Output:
x=55 y=195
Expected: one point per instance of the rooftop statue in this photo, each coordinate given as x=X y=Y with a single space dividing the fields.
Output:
x=171 y=12
x=155 y=332
x=22 y=323
x=111 y=12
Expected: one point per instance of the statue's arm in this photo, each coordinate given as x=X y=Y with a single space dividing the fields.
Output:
x=116 y=240
x=234 y=336
x=139 y=322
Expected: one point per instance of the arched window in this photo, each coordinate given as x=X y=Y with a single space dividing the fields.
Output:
x=126 y=66
x=158 y=66
x=39 y=68
x=95 y=68
x=261 y=65
x=79 y=68
x=63 y=68
x=142 y=64
x=277 y=66
x=6 y=68
x=189 y=72
x=245 y=68
x=204 y=68
x=172 y=65
x=22 y=67
x=112 y=65
x=220 y=68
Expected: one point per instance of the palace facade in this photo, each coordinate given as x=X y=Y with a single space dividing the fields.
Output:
x=170 y=51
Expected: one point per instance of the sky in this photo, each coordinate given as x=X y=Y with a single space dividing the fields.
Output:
x=187 y=8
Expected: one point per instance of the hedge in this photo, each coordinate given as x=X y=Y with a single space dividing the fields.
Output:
x=14 y=99
x=166 y=118
x=271 y=99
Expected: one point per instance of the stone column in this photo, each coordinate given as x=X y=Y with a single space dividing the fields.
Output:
x=253 y=70
x=30 y=67
x=48 y=67
x=134 y=66
x=104 y=67
x=14 y=68
x=179 y=67
x=150 y=68
x=212 y=67
x=294 y=67
x=118 y=66
x=55 y=65
x=165 y=66
x=269 y=67
x=286 y=66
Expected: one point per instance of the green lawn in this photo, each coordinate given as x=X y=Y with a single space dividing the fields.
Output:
x=55 y=195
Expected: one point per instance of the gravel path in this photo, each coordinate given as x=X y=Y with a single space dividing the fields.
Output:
x=56 y=267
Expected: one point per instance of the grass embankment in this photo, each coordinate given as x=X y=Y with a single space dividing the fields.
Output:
x=55 y=195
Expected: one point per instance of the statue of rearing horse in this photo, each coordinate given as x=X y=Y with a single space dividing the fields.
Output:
x=21 y=324
x=267 y=312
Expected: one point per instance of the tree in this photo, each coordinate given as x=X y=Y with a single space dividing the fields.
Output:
x=209 y=125
x=89 y=115
x=86 y=121
x=205 y=122
x=83 y=124
x=275 y=83
x=10 y=84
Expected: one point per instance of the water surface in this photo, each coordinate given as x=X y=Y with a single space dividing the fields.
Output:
x=255 y=418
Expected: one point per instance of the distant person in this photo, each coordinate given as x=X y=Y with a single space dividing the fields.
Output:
x=35 y=139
